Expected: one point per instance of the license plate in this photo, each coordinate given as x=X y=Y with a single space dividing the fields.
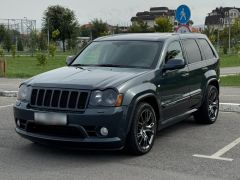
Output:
x=50 y=118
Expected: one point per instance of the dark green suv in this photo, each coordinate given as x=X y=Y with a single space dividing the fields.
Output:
x=119 y=90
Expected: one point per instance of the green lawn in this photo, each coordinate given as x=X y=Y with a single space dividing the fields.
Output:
x=233 y=80
x=230 y=60
x=26 y=66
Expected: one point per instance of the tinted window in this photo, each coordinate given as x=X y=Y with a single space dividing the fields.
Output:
x=192 y=50
x=174 y=51
x=207 y=50
x=120 y=53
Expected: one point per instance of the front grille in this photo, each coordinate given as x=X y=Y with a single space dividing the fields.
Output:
x=60 y=99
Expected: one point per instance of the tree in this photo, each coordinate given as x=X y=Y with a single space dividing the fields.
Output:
x=140 y=27
x=163 y=24
x=33 y=41
x=99 y=28
x=2 y=33
x=20 y=44
x=7 y=42
x=61 y=19
x=52 y=49
x=42 y=41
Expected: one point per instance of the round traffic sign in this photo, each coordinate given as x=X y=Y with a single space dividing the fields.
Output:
x=182 y=29
x=183 y=14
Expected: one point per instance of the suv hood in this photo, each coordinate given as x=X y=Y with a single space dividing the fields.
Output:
x=87 y=78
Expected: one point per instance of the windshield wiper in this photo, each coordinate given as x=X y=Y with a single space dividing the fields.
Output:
x=79 y=66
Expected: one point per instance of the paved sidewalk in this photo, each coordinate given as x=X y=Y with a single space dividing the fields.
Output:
x=230 y=70
x=7 y=84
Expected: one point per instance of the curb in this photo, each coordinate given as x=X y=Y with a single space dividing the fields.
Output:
x=229 y=107
x=8 y=93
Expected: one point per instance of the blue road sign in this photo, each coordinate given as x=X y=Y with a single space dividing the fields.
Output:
x=183 y=14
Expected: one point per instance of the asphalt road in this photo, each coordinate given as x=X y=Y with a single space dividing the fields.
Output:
x=171 y=157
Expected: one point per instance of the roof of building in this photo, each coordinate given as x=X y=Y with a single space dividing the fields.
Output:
x=158 y=8
x=211 y=20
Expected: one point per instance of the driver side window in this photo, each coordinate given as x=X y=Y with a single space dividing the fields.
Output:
x=174 y=51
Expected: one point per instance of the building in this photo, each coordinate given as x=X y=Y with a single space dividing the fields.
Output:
x=222 y=17
x=149 y=17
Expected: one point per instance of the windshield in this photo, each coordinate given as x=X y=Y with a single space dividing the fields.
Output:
x=142 y=54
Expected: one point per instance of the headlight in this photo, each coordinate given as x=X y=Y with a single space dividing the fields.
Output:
x=107 y=97
x=23 y=93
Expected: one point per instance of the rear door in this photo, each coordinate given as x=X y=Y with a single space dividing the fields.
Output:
x=197 y=68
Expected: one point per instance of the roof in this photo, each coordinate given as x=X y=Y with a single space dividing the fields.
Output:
x=211 y=20
x=146 y=36
x=158 y=8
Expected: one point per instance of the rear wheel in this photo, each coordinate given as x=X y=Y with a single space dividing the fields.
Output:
x=208 y=112
x=143 y=130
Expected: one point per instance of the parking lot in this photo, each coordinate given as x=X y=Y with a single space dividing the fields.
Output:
x=172 y=156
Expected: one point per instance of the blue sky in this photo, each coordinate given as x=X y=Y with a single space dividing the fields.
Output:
x=113 y=11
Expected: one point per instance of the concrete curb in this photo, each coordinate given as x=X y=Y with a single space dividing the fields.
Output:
x=225 y=107
x=8 y=93
x=229 y=107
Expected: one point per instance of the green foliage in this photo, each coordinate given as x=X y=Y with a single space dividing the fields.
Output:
x=163 y=24
x=61 y=19
x=20 y=44
x=42 y=41
x=139 y=27
x=55 y=34
x=233 y=80
x=52 y=49
x=1 y=52
x=13 y=50
x=33 y=42
x=99 y=28
x=41 y=59
x=7 y=41
x=2 y=33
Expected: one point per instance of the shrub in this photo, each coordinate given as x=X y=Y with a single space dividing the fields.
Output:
x=52 y=50
x=1 y=52
x=13 y=49
x=42 y=59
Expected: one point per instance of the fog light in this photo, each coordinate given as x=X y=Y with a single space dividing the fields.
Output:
x=18 y=123
x=104 y=131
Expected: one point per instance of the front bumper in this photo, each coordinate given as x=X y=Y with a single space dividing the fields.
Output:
x=86 y=124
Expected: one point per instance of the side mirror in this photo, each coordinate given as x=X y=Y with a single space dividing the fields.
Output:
x=69 y=60
x=173 y=64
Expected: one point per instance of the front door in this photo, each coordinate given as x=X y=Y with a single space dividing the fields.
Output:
x=174 y=90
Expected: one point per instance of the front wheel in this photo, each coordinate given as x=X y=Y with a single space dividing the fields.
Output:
x=143 y=130
x=208 y=112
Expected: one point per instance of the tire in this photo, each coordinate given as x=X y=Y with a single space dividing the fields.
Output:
x=208 y=112
x=143 y=130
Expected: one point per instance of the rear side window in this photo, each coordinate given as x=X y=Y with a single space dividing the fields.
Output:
x=207 y=50
x=192 y=50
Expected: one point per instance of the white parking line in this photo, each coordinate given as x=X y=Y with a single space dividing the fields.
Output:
x=222 y=151
x=6 y=106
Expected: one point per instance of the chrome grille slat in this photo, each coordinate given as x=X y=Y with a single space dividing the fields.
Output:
x=59 y=99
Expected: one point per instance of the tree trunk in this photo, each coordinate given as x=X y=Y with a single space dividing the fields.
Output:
x=63 y=41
